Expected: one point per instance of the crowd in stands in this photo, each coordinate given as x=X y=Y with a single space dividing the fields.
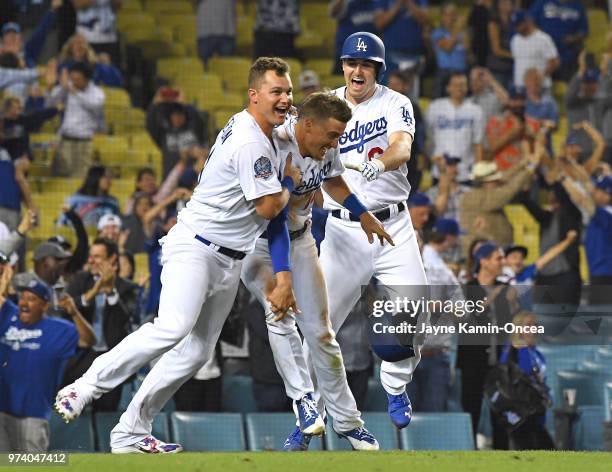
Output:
x=514 y=137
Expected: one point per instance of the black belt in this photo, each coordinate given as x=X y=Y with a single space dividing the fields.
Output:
x=382 y=215
x=222 y=250
x=292 y=234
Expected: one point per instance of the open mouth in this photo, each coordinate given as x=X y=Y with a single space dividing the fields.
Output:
x=358 y=82
x=281 y=111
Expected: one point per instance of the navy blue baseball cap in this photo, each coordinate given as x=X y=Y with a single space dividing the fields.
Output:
x=590 y=75
x=37 y=287
x=604 y=183
x=447 y=226
x=484 y=251
x=519 y=17
x=11 y=27
x=516 y=248
x=451 y=160
x=418 y=199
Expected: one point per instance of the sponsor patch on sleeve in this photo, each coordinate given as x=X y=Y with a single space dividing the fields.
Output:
x=263 y=168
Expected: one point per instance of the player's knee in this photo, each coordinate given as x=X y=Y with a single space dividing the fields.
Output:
x=283 y=327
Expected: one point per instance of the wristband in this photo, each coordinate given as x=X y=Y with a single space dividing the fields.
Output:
x=352 y=204
x=288 y=183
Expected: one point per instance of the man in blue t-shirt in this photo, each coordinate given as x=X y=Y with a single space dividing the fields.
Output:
x=401 y=24
x=566 y=23
x=33 y=352
x=352 y=16
x=598 y=242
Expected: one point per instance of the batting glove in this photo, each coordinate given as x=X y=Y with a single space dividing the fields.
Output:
x=371 y=170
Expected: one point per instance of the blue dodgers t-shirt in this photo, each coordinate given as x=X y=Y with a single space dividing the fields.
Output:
x=560 y=19
x=32 y=361
x=598 y=242
x=359 y=16
x=404 y=33
x=456 y=58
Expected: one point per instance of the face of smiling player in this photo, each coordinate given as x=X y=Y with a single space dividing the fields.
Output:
x=319 y=136
x=360 y=78
x=271 y=100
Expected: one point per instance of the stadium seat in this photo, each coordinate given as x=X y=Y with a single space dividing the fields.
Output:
x=378 y=424
x=268 y=431
x=323 y=67
x=588 y=386
x=174 y=67
x=588 y=429
x=376 y=399
x=116 y=97
x=77 y=436
x=208 y=431
x=221 y=117
x=232 y=70
x=105 y=422
x=238 y=394
x=438 y=431
x=162 y=7
x=295 y=68
x=608 y=401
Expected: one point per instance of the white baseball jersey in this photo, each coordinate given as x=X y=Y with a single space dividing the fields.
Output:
x=313 y=174
x=533 y=51
x=242 y=166
x=366 y=138
x=454 y=130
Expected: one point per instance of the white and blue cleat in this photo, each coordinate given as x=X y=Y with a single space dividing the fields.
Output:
x=297 y=441
x=399 y=409
x=149 y=445
x=311 y=423
x=360 y=439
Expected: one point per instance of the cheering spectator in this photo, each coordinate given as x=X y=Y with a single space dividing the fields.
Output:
x=12 y=40
x=93 y=200
x=478 y=22
x=532 y=48
x=146 y=183
x=539 y=106
x=10 y=241
x=83 y=103
x=419 y=207
x=401 y=23
x=487 y=93
x=216 y=28
x=276 y=26
x=96 y=21
x=572 y=151
x=33 y=352
x=589 y=99
x=451 y=44
x=77 y=49
x=11 y=195
x=455 y=126
x=177 y=129
x=352 y=16
x=505 y=132
x=500 y=60
x=482 y=208
x=447 y=194
x=79 y=257
x=110 y=304
x=565 y=21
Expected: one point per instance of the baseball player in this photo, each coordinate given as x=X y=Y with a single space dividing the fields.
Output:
x=312 y=140
x=377 y=143
x=237 y=194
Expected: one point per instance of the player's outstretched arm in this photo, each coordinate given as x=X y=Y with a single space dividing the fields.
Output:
x=398 y=153
x=337 y=188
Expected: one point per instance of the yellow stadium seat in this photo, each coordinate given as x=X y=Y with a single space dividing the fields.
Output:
x=314 y=9
x=180 y=20
x=161 y=7
x=211 y=83
x=295 y=67
x=116 y=97
x=125 y=120
x=65 y=185
x=211 y=103
x=222 y=116
x=526 y=230
x=126 y=21
x=173 y=67
x=132 y=6
x=322 y=67
x=333 y=81
x=110 y=149
x=233 y=71
x=244 y=31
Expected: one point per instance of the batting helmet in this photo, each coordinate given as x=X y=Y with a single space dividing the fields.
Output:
x=364 y=45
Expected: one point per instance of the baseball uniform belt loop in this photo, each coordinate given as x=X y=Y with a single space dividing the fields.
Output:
x=382 y=215
x=292 y=234
x=222 y=250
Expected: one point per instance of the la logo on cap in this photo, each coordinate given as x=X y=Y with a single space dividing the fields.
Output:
x=361 y=45
x=32 y=283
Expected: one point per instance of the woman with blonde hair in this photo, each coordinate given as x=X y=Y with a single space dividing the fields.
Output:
x=77 y=49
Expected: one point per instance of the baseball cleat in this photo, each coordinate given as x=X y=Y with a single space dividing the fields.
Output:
x=311 y=422
x=360 y=439
x=400 y=409
x=297 y=441
x=148 y=445
x=69 y=403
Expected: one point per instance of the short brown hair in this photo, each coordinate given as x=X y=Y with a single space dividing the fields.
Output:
x=324 y=105
x=263 y=65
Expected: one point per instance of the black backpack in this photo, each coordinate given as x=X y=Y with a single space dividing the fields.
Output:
x=513 y=395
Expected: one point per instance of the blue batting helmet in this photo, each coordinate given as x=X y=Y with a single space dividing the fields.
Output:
x=364 y=45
